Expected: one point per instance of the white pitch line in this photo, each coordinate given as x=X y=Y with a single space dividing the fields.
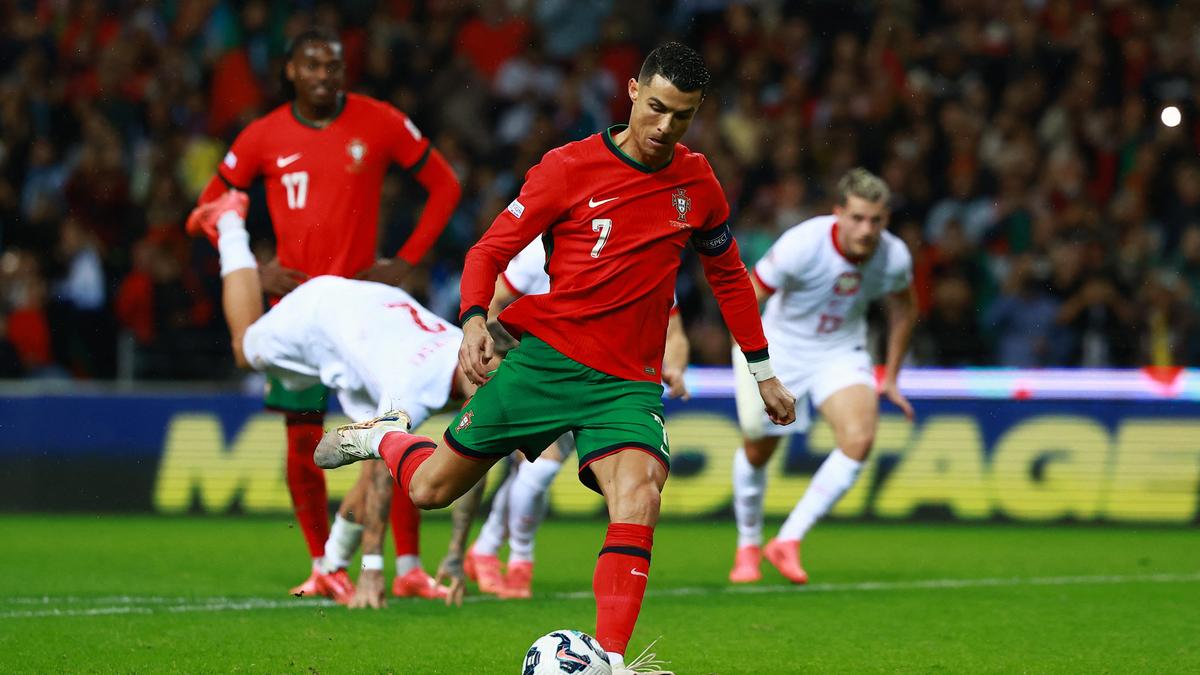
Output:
x=181 y=605
x=244 y=604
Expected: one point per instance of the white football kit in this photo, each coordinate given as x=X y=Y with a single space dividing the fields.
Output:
x=815 y=321
x=372 y=343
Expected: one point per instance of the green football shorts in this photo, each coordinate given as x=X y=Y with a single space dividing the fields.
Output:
x=314 y=399
x=537 y=394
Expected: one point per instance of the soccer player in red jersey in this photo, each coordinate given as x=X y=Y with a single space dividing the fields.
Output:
x=322 y=158
x=615 y=211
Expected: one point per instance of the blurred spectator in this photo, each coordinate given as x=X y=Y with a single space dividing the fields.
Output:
x=1023 y=321
x=949 y=336
x=28 y=326
x=492 y=37
x=10 y=360
x=569 y=26
x=83 y=336
x=1186 y=263
x=1183 y=206
x=161 y=304
x=1169 y=335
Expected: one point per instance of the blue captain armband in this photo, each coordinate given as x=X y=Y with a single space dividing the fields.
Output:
x=713 y=242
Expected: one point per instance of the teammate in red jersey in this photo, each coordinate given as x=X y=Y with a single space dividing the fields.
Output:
x=615 y=211
x=322 y=158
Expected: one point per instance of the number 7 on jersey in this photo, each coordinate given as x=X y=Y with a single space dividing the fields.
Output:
x=603 y=226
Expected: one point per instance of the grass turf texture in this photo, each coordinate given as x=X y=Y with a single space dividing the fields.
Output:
x=145 y=594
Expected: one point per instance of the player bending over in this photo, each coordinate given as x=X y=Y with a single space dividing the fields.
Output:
x=322 y=157
x=820 y=276
x=372 y=343
x=519 y=505
x=615 y=211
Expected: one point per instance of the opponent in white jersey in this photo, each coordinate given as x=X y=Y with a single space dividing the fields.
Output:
x=403 y=359
x=819 y=279
x=520 y=503
x=376 y=346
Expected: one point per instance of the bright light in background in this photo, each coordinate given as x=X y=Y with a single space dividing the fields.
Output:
x=1171 y=116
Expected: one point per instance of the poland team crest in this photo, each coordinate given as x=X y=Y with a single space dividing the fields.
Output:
x=847 y=283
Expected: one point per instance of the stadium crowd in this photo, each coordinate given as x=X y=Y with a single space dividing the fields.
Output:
x=1054 y=220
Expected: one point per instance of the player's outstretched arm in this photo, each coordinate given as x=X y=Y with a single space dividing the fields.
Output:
x=370 y=589
x=675 y=358
x=444 y=190
x=901 y=309
x=502 y=297
x=739 y=299
x=527 y=217
x=451 y=568
x=222 y=219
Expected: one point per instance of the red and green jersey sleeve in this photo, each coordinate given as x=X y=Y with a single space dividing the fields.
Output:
x=541 y=203
x=243 y=163
x=727 y=275
x=409 y=147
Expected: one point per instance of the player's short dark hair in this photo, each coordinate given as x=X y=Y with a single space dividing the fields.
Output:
x=679 y=64
x=313 y=34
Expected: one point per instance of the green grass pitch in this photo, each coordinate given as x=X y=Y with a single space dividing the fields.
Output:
x=196 y=595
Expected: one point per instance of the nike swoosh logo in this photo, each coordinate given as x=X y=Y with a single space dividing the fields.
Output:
x=638 y=573
x=593 y=203
x=564 y=655
x=284 y=161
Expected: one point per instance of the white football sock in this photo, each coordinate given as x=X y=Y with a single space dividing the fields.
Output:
x=495 y=528
x=343 y=539
x=527 y=505
x=749 y=487
x=406 y=563
x=837 y=473
x=233 y=244
x=316 y=564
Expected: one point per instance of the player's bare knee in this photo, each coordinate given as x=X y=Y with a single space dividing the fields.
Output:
x=857 y=443
x=423 y=495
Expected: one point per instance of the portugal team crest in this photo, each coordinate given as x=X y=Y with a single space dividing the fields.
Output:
x=465 y=421
x=358 y=152
x=847 y=283
x=683 y=204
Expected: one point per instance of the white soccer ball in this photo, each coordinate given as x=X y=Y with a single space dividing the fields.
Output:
x=566 y=652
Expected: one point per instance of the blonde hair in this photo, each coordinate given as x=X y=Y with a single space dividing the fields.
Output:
x=863 y=184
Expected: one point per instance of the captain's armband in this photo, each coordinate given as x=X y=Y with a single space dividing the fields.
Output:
x=713 y=242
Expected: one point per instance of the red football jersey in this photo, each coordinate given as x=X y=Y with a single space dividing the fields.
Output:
x=614 y=231
x=323 y=183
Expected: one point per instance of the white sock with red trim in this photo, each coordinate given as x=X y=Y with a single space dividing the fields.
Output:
x=836 y=475
x=527 y=505
x=495 y=528
x=749 y=488
x=344 y=537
